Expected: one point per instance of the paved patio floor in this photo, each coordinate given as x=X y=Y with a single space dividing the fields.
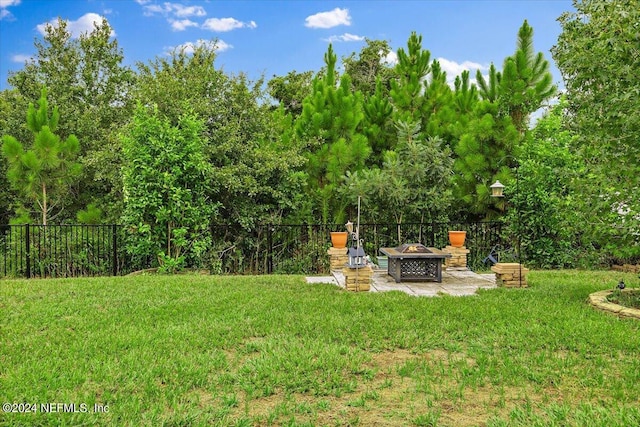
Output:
x=455 y=282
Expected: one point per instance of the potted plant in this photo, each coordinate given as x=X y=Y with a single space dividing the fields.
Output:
x=457 y=237
x=339 y=239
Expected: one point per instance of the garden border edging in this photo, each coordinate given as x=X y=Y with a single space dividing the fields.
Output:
x=599 y=301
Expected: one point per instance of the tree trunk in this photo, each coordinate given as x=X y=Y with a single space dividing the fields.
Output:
x=398 y=222
x=44 y=204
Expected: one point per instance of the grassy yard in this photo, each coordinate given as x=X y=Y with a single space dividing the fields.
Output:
x=273 y=350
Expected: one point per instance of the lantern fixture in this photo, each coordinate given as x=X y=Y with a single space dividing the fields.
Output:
x=497 y=189
x=349 y=227
x=357 y=257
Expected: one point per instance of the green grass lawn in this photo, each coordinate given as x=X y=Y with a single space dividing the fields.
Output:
x=273 y=350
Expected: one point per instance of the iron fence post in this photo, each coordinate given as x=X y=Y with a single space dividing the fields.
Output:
x=27 y=242
x=114 y=238
x=270 y=249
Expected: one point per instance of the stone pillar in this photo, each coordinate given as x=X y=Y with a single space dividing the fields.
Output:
x=358 y=279
x=338 y=258
x=458 y=258
x=508 y=275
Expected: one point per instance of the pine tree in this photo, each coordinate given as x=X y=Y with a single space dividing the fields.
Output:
x=488 y=139
x=377 y=125
x=329 y=124
x=526 y=81
x=420 y=93
x=87 y=80
x=438 y=106
x=488 y=148
x=465 y=94
x=407 y=90
x=44 y=173
x=489 y=90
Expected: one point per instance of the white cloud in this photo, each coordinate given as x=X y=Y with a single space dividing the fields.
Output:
x=4 y=13
x=20 y=58
x=84 y=24
x=7 y=3
x=142 y=2
x=152 y=9
x=172 y=9
x=189 y=47
x=185 y=11
x=346 y=37
x=329 y=19
x=454 y=69
x=182 y=24
x=391 y=58
x=226 y=24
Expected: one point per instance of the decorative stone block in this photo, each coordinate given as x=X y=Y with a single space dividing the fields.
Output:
x=358 y=279
x=458 y=257
x=510 y=274
x=338 y=258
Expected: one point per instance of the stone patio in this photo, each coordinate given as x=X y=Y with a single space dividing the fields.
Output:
x=455 y=282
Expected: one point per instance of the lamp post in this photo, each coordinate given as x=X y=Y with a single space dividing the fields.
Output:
x=356 y=252
x=497 y=191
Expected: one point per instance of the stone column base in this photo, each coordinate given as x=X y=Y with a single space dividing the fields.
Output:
x=358 y=279
x=338 y=258
x=508 y=275
x=458 y=257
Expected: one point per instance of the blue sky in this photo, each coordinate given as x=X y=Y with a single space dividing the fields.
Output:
x=275 y=37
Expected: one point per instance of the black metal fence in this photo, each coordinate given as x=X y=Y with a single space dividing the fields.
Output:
x=303 y=248
x=99 y=250
x=60 y=250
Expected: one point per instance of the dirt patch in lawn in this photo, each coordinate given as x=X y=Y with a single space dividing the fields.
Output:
x=404 y=388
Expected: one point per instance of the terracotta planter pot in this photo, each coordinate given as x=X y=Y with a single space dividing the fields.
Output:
x=339 y=239
x=456 y=238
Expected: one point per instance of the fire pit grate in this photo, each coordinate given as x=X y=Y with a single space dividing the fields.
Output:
x=414 y=261
x=413 y=248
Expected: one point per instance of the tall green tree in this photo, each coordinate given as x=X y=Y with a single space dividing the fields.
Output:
x=485 y=148
x=420 y=92
x=87 y=81
x=329 y=125
x=44 y=172
x=465 y=98
x=291 y=90
x=489 y=145
x=167 y=210
x=526 y=82
x=439 y=110
x=542 y=196
x=10 y=122
x=598 y=53
x=377 y=125
x=483 y=153
x=407 y=89
x=255 y=162
x=370 y=66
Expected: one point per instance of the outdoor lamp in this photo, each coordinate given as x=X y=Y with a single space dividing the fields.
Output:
x=349 y=226
x=356 y=257
x=496 y=189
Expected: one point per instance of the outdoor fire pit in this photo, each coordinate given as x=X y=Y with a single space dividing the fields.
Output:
x=415 y=262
